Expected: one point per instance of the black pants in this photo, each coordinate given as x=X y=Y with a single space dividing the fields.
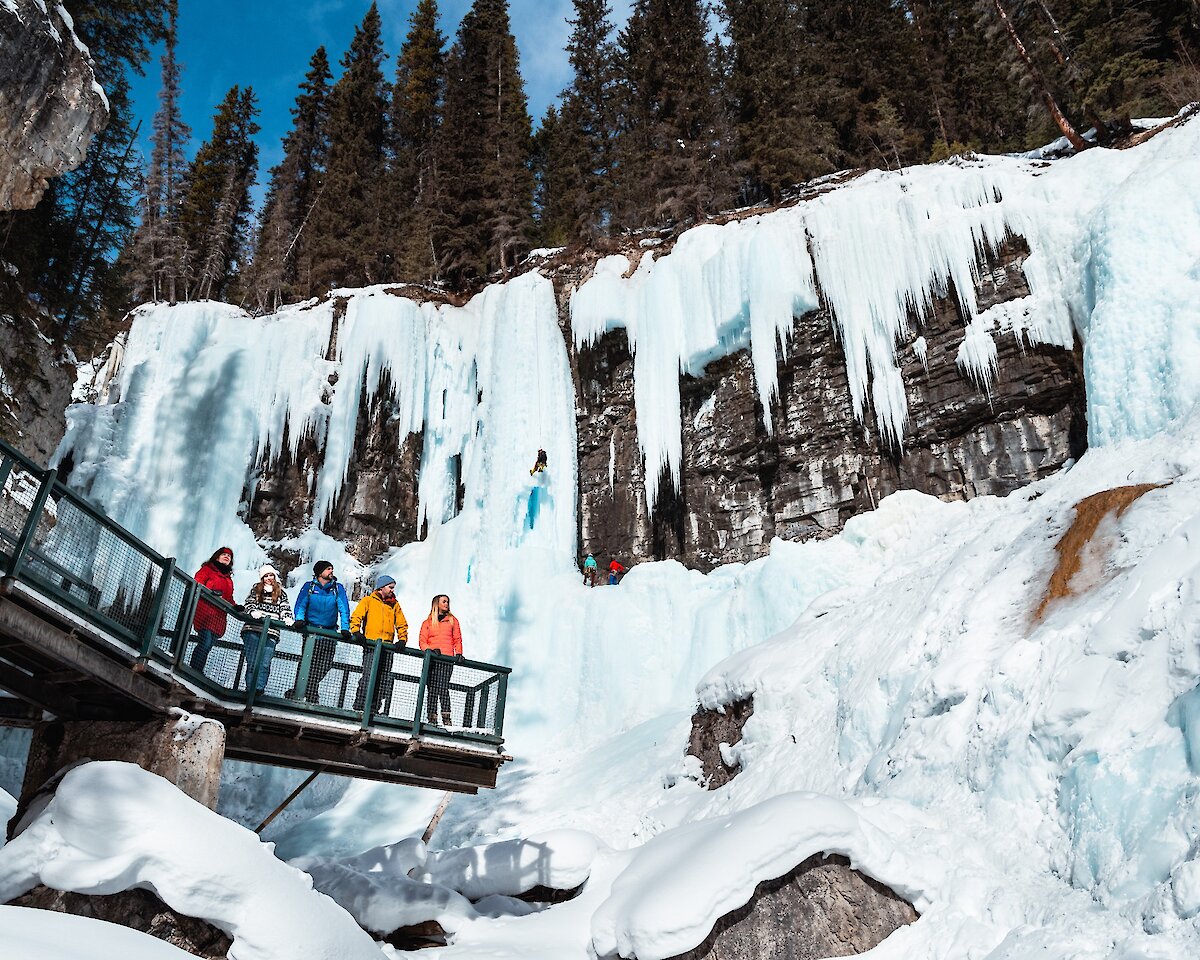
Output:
x=324 y=649
x=438 y=692
x=383 y=684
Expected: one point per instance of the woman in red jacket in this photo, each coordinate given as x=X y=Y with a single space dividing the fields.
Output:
x=440 y=632
x=216 y=573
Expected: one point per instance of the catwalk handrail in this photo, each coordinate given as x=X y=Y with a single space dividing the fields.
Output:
x=61 y=546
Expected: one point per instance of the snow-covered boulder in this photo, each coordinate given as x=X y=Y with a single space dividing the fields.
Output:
x=112 y=827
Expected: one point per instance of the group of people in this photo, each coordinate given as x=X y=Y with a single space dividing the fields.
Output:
x=322 y=602
x=591 y=572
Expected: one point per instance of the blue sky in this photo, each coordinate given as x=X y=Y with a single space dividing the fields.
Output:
x=267 y=44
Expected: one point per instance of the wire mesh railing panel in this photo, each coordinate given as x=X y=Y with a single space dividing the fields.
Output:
x=483 y=708
x=166 y=639
x=17 y=495
x=218 y=657
x=454 y=700
x=281 y=663
x=85 y=558
x=333 y=673
x=399 y=679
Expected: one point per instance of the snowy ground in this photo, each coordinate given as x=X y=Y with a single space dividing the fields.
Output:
x=1030 y=785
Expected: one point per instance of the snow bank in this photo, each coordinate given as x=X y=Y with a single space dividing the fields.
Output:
x=113 y=826
x=679 y=883
x=40 y=934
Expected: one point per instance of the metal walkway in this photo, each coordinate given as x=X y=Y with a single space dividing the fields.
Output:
x=94 y=624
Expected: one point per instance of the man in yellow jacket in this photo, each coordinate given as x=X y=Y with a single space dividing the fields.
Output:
x=378 y=617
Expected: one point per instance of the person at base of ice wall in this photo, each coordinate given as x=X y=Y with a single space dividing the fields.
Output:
x=615 y=572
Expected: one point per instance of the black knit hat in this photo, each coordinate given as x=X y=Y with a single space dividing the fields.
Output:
x=321 y=566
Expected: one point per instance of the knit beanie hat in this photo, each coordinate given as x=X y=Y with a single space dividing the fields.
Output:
x=321 y=566
x=383 y=581
x=265 y=569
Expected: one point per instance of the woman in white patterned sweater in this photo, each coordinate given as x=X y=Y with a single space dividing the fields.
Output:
x=267 y=598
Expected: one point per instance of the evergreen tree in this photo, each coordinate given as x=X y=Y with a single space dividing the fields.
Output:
x=416 y=116
x=578 y=191
x=1112 y=55
x=486 y=148
x=968 y=78
x=348 y=240
x=1038 y=79
x=158 y=249
x=282 y=266
x=215 y=218
x=669 y=148
x=557 y=183
x=775 y=84
x=877 y=98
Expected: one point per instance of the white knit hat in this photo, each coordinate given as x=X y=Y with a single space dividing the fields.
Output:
x=267 y=568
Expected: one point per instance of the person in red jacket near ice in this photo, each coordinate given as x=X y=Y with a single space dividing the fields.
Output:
x=615 y=572
x=440 y=632
x=216 y=573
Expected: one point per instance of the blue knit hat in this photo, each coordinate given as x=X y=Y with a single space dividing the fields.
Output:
x=383 y=581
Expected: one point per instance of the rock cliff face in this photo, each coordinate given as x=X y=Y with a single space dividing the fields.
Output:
x=741 y=487
x=35 y=386
x=50 y=102
x=378 y=505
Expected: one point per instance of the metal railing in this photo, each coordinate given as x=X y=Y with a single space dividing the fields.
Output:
x=58 y=544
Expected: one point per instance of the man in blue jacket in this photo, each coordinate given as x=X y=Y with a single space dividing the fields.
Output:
x=322 y=603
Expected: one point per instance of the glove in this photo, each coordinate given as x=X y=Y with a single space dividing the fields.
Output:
x=356 y=638
x=458 y=656
x=289 y=621
x=256 y=614
x=301 y=625
x=347 y=636
x=239 y=608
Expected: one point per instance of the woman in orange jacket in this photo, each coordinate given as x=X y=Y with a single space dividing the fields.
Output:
x=440 y=632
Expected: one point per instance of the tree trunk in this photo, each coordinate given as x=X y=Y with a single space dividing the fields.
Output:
x=1068 y=130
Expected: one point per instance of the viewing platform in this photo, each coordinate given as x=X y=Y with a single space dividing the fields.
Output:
x=97 y=626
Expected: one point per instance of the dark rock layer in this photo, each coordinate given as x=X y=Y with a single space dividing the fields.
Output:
x=822 y=908
x=50 y=104
x=740 y=486
x=139 y=909
x=710 y=729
